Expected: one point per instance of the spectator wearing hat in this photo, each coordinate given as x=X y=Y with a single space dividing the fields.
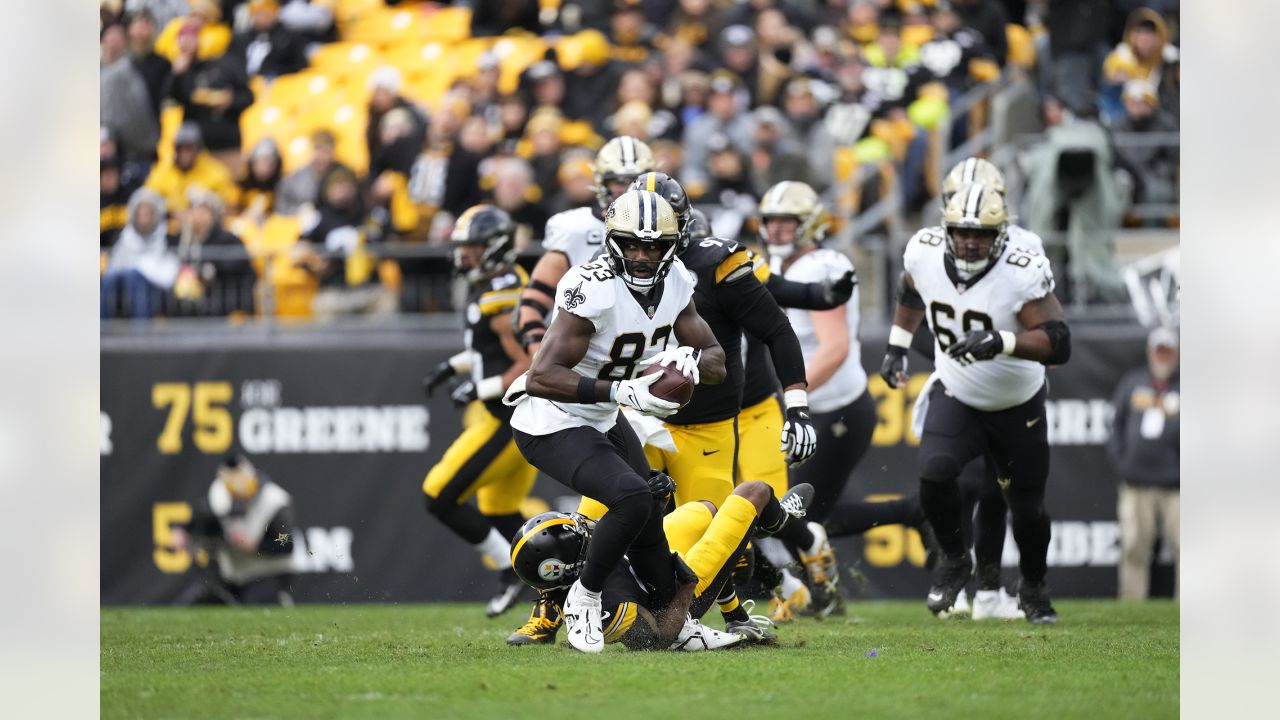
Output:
x=805 y=112
x=267 y=47
x=1152 y=168
x=989 y=19
x=693 y=22
x=862 y=22
x=1144 y=448
x=124 y=103
x=729 y=187
x=385 y=84
x=630 y=33
x=1144 y=54
x=262 y=176
x=191 y=165
x=760 y=74
x=213 y=93
x=542 y=146
x=513 y=189
x=445 y=176
x=153 y=68
x=1079 y=34
x=575 y=183
x=140 y=268
x=775 y=154
x=163 y=11
x=301 y=187
x=482 y=89
x=544 y=85
x=217 y=277
x=114 y=191
x=204 y=19
x=725 y=117
x=592 y=75
x=958 y=56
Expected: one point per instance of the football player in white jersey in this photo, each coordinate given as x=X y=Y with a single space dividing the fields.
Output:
x=615 y=316
x=997 y=324
x=986 y=515
x=576 y=236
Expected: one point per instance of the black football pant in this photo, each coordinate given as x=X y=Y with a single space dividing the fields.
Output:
x=985 y=520
x=843 y=438
x=610 y=468
x=1016 y=442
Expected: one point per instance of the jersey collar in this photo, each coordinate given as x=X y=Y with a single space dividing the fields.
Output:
x=651 y=301
x=953 y=274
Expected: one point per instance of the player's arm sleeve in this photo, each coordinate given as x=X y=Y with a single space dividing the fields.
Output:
x=756 y=310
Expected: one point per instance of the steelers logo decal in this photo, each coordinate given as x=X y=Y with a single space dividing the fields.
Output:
x=551 y=569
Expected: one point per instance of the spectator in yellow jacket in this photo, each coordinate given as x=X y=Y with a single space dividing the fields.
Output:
x=214 y=36
x=191 y=166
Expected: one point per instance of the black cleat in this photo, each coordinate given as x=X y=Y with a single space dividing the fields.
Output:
x=951 y=577
x=544 y=622
x=797 y=500
x=1033 y=599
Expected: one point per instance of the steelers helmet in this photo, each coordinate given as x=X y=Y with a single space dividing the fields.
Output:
x=797 y=200
x=671 y=191
x=490 y=227
x=698 y=225
x=646 y=217
x=549 y=550
x=976 y=206
x=622 y=159
x=972 y=170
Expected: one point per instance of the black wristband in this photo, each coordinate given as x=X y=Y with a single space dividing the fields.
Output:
x=587 y=390
x=542 y=287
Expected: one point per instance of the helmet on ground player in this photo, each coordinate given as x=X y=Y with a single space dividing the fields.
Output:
x=671 y=191
x=489 y=227
x=549 y=550
x=972 y=170
x=621 y=160
x=644 y=217
x=794 y=200
x=975 y=207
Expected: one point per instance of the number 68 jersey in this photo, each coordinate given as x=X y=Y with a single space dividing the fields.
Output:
x=626 y=332
x=991 y=301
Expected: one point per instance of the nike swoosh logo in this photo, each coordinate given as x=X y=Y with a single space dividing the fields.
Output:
x=705 y=453
x=1033 y=421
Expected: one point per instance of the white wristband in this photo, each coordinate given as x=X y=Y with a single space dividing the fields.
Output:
x=900 y=337
x=490 y=388
x=461 y=363
x=795 y=398
x=1010 y=341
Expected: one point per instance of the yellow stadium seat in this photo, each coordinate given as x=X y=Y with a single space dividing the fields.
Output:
x=414 y=58
x=295 y=152
x=515 y=54
x=300 y=90
x=346 y=59
x=451 y=24
x=347 y=11
x=387 y=26
x=265 y=120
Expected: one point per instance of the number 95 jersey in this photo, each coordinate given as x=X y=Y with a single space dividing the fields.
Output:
x=629 y=328
x=990 y=300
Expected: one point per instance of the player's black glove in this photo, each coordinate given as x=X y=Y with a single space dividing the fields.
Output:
x=661 y=486
x=437 y=377
x=464 y=393
x=684 y=574
x=894 y=366
x=837 y=293
x=799 y=438
x=976 y=345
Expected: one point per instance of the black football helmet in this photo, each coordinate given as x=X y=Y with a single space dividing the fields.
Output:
x=668 y=189
x=490 y=227
x=699 y=225
x=549 y=550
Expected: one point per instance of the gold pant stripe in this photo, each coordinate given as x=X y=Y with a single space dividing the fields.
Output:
x=624 y=616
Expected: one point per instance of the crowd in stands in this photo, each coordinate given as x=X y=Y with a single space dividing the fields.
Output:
x=314 y=133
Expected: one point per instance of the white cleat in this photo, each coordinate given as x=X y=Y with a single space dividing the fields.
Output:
x=996 y=605
x=583 y=620
x=959 y=610
x=696 y=637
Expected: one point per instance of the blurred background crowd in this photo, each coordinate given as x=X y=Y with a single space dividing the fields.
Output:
x=237 y=136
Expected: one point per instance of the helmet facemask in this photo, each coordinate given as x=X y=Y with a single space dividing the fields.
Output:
x=975 y=207
x=651 y=272
x=971 y=267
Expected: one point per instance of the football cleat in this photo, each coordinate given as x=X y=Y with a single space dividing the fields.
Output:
x=755 y=630
x=824 y=574
x=696 y=637
x=583 y=620
x=797 y=500
x=508 y=593
x=996 y=605
x=783 y=609
x=952 y=575
x=544 y=622
x=1033 y=598
x=960 y=610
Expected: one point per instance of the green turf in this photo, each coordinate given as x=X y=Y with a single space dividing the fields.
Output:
x=884 y=659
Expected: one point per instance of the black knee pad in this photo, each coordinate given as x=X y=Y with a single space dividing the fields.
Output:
x=437 y=507
x=939 y=468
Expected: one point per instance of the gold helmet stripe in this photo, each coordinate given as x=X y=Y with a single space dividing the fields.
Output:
x=651 y=181
x=515 y=550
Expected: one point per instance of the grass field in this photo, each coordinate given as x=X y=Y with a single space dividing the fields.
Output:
x=884 y=659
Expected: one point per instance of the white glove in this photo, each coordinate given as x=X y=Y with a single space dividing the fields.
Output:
x=516 y=393
x=683 y=358
x=799 y=437
x=635 y=395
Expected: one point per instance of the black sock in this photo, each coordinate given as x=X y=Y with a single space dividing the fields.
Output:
x=464 y=520
x=943 y=506
x=1031 y=530
x=796 y=536
x=729 y=599
x=855 y=518
x=989 y=527
x=772 y=518
x=507 y=524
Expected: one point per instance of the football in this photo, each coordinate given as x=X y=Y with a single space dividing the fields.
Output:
x=673 y=385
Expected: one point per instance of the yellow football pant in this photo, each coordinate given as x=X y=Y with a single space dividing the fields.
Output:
x=707 y=542
x=484 y=461
x=760 y=455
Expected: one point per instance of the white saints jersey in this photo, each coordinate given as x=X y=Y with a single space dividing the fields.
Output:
x=992 y=301
x=850 y=379
x=577 y=233
x=626 y=332
x=1021 y=237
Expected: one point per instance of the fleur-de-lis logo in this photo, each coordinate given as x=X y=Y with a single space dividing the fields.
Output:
x=573 y=297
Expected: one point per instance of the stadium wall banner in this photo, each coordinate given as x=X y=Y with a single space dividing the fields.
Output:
x=345 y=428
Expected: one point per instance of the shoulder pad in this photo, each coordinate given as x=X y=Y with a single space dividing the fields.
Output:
x=735 y=267
x=566 y=228
x=586 y=290
x=708 y=252
x=1031 y=274
x=760 y=267
x=494 y=302
x=925 y=241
